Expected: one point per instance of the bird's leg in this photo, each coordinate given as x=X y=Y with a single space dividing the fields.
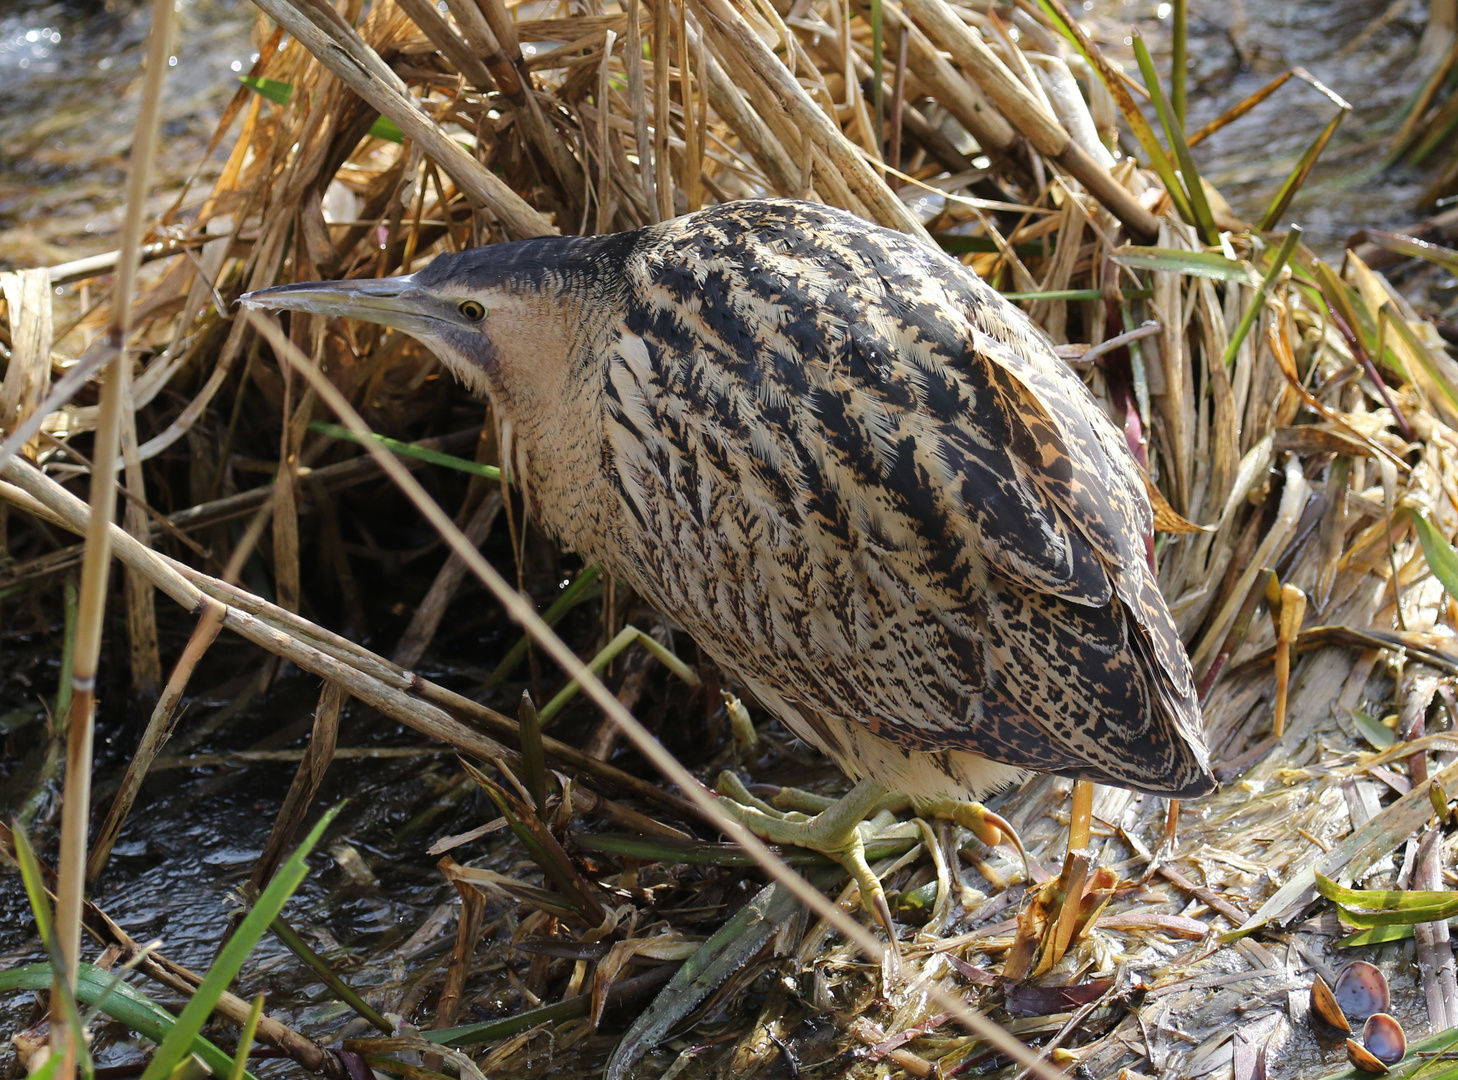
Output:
x=1075 y=871
x=834 y=832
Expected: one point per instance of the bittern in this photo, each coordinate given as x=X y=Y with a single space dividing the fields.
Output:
x=856 y=475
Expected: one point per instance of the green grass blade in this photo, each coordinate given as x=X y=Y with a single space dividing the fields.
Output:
x=1072 y=294
x=404 y=449
x=1299 y=174
x=245 y=1039
x=1258 y=301
x=1377 y=935
x=1201 y=217
x=1442 y=559
x=727 y=951
x=1197 y=263
x=123 y=1003
x=627 y=636
x=1178 y=64
x=1432 y=365
x=1385 y=899
x=178 y=1042
x=40 y=907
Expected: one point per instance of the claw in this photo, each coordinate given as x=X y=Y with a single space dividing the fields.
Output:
x=992 y=829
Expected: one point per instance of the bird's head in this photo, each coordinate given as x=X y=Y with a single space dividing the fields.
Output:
x=507 y=319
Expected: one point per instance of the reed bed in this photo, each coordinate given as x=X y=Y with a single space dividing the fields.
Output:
x=1296 y=418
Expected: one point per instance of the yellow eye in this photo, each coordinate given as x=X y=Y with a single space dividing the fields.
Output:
x=470 y=309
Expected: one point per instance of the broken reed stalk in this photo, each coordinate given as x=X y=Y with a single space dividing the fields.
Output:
x=524 y=613
x=76 y=805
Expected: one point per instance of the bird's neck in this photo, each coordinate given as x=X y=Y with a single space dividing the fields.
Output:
x=550 y=423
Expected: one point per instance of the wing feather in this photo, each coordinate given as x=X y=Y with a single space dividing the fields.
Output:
x=889 y=438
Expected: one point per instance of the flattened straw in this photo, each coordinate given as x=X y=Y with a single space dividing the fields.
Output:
x=76 y=807
x=523 y=612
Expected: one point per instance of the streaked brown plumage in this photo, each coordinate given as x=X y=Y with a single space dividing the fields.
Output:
x=855 y=474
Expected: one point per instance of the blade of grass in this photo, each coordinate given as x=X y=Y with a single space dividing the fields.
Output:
x=123 y=1003
x=1414 y=248
x=1442 y=559
x=1299 y=175
x=1432 y=365
x=245 y=1039
x=735 y=944
x=1392 y=906
x=545 y=850
x=1198 y=263
x=1258 y=301
x=1201 y=217
x=1179 y=39
x=627 y=636
x=404 y=449
x=177 y=1045
x=1377 y=935
x=40 y=907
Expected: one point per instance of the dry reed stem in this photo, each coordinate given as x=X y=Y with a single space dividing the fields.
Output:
x=76 y=808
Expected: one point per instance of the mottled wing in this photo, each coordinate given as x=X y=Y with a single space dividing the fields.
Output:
x=889 y=500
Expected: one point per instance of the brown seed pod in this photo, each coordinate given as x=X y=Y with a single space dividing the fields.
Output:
x=1361 y=990
x=1383 y=1036
x=1364 y=1059
x=1324 y=1004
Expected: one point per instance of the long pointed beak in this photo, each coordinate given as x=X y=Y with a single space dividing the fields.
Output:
x=395 y=302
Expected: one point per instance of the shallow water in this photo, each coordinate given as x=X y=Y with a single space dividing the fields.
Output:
x=1237 y=48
